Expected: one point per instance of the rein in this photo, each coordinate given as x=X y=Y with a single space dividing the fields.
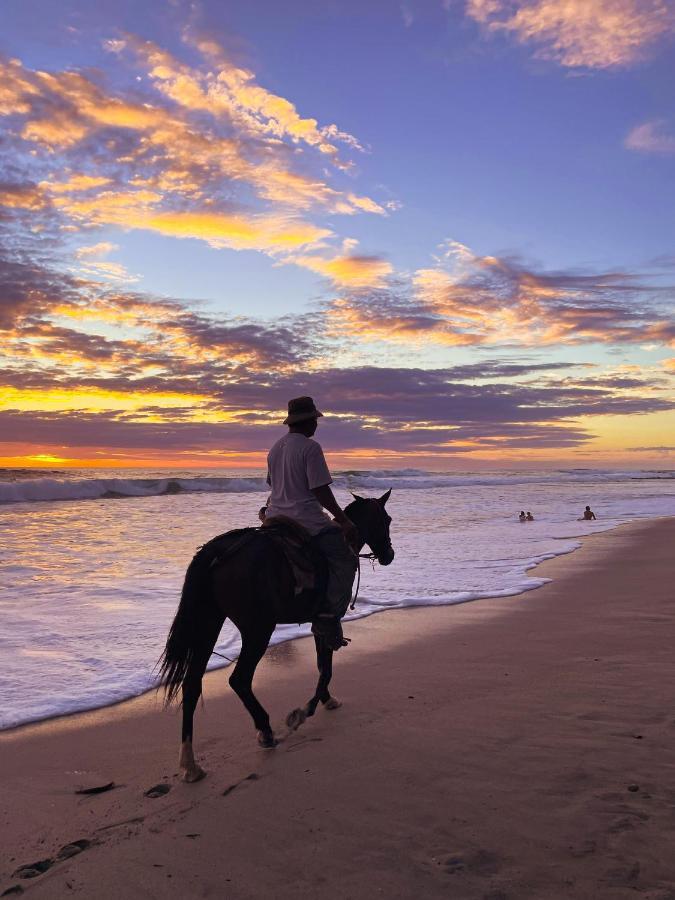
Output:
x=359 y=556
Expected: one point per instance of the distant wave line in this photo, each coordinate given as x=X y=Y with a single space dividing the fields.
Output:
x=50 y=489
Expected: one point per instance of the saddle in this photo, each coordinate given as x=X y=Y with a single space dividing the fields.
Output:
x=307 y=563
x=294 y=545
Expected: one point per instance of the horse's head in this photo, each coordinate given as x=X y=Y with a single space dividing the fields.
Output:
x=373 y=521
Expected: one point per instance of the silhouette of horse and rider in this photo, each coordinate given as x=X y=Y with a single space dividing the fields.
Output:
x=256 y=577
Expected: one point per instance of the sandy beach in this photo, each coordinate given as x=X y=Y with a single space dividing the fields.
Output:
x=512 y=748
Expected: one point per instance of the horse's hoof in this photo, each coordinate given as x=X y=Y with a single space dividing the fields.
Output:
x=194 y=773
x=295 y=718
x=332 y=703
x=266 y=739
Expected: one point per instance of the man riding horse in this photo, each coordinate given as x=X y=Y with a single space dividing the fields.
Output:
x=300 y=481
x=246 y=577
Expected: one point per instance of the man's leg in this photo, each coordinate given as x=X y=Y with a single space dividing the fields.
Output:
x=342 y=563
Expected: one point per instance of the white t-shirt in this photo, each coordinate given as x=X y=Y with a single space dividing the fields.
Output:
x=295 y=465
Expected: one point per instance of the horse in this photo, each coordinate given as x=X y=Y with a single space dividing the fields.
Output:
x=253 y=586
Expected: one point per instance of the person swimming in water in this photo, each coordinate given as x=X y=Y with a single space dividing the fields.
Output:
x=522 y=517
x=529 y=517
x=589 y=514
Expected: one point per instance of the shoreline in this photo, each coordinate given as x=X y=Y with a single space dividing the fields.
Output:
x=527 y=570
x=508 y=749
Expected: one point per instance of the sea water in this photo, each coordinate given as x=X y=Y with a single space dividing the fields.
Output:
x=92 y=563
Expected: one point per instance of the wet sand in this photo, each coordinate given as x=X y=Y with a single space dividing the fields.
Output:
x=513 y=748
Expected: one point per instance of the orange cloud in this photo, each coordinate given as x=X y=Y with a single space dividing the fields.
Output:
x=597 y=34
x=348 y=270
x=75 y=184
x=469 y=299
x=176 y=172
x=21 y=196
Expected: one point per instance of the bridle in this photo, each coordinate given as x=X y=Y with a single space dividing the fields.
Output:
x=372 y=556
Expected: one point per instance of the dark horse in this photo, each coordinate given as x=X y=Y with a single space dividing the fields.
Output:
x=253 y=586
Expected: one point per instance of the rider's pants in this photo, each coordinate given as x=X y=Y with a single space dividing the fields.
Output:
x=342 y=564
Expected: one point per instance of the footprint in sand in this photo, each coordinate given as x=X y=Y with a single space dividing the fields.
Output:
x=73 y=849
x=32 y=870
x=157 y=790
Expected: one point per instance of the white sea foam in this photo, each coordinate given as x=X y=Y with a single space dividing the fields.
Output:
x=89 y=586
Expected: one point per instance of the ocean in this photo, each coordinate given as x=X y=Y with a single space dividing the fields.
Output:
x=92 y=562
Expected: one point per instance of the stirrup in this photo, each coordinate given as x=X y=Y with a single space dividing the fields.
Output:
x=328 y=629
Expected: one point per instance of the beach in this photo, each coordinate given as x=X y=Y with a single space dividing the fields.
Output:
x=509 y=748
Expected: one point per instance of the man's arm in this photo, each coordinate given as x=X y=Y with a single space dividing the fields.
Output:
x=327 y=499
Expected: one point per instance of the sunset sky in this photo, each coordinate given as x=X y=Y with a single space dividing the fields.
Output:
x=452 y=222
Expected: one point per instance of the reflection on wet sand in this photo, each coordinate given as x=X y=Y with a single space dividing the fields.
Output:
x=282 y=654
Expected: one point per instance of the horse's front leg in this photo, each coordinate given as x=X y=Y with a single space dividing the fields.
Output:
x=324 y=662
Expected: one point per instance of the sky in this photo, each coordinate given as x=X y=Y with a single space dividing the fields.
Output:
x=448 y=221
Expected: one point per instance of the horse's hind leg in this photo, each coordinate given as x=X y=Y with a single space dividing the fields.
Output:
x=192 y=688
x=254 y=642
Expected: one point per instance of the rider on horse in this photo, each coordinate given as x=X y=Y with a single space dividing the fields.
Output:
x=300 y=481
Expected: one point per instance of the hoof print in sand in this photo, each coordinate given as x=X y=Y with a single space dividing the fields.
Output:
x=98 y=789
x=32 y=870
x=228 y=790
x=73 y=848
x=157 y=790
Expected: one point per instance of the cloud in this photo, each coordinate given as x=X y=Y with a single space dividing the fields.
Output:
x=203 y=152
x=593 y=34
x=371 y=409
x=93 y=264
x=350 y=270
x=87 y=366
x=467 y=300
x=651 y=137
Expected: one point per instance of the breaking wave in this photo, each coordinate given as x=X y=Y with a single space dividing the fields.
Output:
x=26 y=486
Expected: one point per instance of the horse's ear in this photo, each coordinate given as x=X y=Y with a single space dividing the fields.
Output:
x=356 y=496
x=385 y=497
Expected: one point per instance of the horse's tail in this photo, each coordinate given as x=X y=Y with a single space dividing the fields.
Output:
x=186 y=633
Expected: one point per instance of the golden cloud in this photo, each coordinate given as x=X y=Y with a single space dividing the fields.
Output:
x=75 y=184
x=471 y=299
x=174 y=170
x=348 y=270
x=597 y=34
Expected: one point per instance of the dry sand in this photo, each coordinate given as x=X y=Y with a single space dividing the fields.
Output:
x=515 y=748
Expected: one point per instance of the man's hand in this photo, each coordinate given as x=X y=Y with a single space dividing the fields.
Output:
x=350 y=532
x=326 y=498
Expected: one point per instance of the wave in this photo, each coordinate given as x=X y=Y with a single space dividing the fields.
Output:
x=49 y=489
x=17 y=488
